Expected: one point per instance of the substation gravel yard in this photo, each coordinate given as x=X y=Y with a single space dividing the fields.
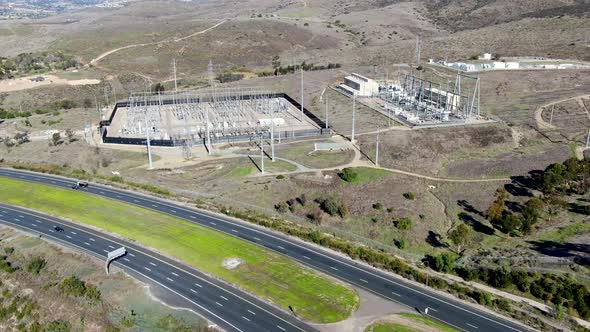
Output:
x=267 y=275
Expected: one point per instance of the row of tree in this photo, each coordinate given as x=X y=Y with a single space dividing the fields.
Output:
x=26 y=63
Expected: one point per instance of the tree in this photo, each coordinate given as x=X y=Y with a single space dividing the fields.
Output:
x=70 y=135
x=159 y=87
x=553 y=176
x=459 y=236
x=495 y=211
x=56 y=139
x=444 y=262
x=532 y=211
x=276 y=62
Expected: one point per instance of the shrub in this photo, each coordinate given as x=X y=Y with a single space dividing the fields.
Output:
x=35 y=265
x=409 y=196
x=401 y=244
x=280 y=177
x=330 y=206
x=349 y=175
x=403 y=224
x=302 y=200
x=8 y=250
x=482 y=297
x=378 y=206
x=282 y=207
x=57 y=326
x=444 y=262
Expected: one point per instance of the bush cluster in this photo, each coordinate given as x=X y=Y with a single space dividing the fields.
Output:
x=76 y=287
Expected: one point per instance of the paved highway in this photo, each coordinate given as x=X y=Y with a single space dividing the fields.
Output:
x=442 y=308
x=221 y=304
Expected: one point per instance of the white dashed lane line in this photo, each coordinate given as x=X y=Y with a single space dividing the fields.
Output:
x=152 y=264
x=223 y=297
x=147 y=268
x=212 y=223
x=86 y=243
x=194 y=291
x=198 y=285
x=169 y=279
x=257 y=239
x=34 y=225
x=110 y=246
x=16 y=219
x=363 y=280
x=105 y=251
x=175 y=274
x=91 y=239
x=38 y=221
x=306 y=257
x=73 y=233
x=193 y=217
x=69 y=237
x=126 y=259
x=233 y=230
x=333 y=268
x=281 y=247
x=252 y=312
x=396 y=294
x=130 y=254
x=475 y=327
x=245 y=318
x=282 y=328
x=219 y=304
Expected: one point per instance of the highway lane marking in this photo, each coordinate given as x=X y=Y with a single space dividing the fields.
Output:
x=245 y=318
x=73 y=233
x=38 y=221
x=86 y=243
x=333 y=268
x=16 y=219
x=475 y=327
x=101 y=192
x=154 y=205
x=219 y=304
x=117 y=196
x=53 y=182
x=432 y=309
x=130 y=254
x=281 y=247
x=170 y=279
x=152 y=264
x=209 y=217
x=110 y=246
x=282 y=328
x=136 y=201
x=257 y=239
x=175 y=274
x=223 y=297
x=363 y=280
x=252 y=312
x=396 y=294
x=20 y=215
x=34 y=225
x=173 y=211
x=198 y=285
x=193 y=217
x=147 y=268
x=233 y=230
x=91 y=239
x=306 y=257
x=126 y=259
x=212 y=223
x=194 y=291
x=105 y=251
x=69 y=237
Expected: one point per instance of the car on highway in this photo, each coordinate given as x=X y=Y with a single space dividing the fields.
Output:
x=58 y=228
x=79 y=184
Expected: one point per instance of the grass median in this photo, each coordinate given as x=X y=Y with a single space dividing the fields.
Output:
x=263 y=273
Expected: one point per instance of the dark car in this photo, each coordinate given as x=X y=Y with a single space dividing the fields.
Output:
x=58 y=228
x=82 y=184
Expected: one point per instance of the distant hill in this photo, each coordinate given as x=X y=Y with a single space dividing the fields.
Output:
x=473 y=14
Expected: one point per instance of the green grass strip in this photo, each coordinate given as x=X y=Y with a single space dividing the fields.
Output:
x=263 y=273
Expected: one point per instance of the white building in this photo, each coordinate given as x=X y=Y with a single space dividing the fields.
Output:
x=487 y=56
x=360 y=85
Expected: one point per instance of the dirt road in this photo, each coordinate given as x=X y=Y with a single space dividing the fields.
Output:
x=107 y=53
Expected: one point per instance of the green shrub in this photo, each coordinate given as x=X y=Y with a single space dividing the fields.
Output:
x=35 y=265
x=349 y=175
x=409 y=196
x=403 y=224
x=444 y=262
x=57 y=326
x=8 y=250
x=482 y=297
x=378 y=206
x=401 y=244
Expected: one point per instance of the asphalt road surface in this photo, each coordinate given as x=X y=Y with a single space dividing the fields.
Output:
x=445 y=309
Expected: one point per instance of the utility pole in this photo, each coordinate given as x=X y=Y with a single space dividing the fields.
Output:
x=588 y=139
x=418 y=49
x=261 y=156
x=377 y=149
x=353 y=116
x=272 y=134
x=551 y=117
x=302 y=93
x=175 y=82
x=327 y=112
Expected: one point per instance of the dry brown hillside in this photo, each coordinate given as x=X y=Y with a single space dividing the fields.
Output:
x=473 y=14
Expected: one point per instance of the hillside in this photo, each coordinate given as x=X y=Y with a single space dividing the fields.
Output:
x=472 y=14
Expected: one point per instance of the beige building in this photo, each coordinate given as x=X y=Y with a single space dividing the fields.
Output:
x=360 y=86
